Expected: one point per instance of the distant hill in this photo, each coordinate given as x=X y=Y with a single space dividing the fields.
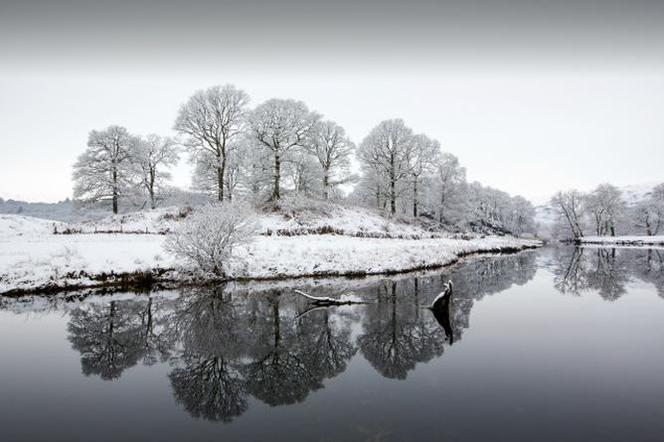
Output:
x=60 y=211
x=68 y=211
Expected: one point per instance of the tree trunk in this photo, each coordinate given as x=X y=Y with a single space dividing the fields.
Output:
x=415 y=198
x=326 y=184
x=151 y=190
x=393 y=186
x=115 y=190
x=276 y=194
x=221 y=165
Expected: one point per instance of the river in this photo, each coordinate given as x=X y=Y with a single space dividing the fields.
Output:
x=559 y=343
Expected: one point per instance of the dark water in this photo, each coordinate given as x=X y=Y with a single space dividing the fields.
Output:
x=555 y=344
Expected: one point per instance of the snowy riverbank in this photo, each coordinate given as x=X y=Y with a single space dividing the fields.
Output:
x=32 y=258
x=623 y=240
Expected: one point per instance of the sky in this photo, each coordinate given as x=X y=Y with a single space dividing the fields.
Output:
x=532 y=96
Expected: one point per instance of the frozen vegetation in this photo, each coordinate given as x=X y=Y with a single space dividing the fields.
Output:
x=273 y=196
x=606 y=212
x=32 y=257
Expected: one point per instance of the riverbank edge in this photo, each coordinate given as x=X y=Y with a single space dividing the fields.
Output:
x=170 y=278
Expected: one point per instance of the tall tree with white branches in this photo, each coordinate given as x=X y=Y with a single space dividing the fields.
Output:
x=152 y=155
x=386 y=151
x=332 y=148
x=279 y=126
x=606 y=207
x=451 y=180
x=422 y=160
x=212 y=119
x=103 y=171
x=570 y=207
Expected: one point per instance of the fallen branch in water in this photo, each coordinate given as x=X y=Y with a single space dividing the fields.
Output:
x=443 y=298
x=326 y=301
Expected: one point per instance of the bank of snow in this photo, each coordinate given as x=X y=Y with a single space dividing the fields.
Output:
x=36 y=260
x=623 y=240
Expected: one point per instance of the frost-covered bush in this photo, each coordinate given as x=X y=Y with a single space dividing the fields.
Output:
x=208 y=237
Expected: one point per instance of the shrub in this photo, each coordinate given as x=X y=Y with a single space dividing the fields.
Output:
x=207 y=238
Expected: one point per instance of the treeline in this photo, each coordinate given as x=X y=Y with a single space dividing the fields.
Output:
x=282 y=147
x=604 y=212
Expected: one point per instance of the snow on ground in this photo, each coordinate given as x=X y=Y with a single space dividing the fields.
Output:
x=31 y=257
x=332 y=218
x=16 y=225
x=343 y=255
x=30 y=261
x=302 y=219
x=623 y=240
x=157 y=221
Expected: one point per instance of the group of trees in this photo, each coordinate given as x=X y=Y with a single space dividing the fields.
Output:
x=604 y=212
x=282 y=146
x=117 y=164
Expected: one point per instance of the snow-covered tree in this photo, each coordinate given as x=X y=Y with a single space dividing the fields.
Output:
x=648 y=215
x=207 y=238
x=370 y=191
x=385 y=152
x=422 y=158
x=152 y=155
x=332 y=148
x=605 y=206
x=212 y=120
x=206 y=177
x=306 y=174
x=570 y=208
x=280 y=126
x=451 y=184
x=104 y=172
x=521 y=218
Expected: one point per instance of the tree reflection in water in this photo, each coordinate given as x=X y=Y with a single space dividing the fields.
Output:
x=224 y=345
x=606 y=270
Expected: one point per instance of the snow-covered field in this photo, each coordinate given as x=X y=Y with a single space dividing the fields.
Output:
x=33 y=258
x=319 y=217
x=624 y=240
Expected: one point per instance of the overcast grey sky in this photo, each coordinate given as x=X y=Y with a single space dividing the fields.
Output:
x=532 y=96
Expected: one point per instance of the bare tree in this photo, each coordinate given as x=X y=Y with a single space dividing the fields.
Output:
x=570 y=206
x=332 y=149
x=103 y=171
x=521 y=217
x=422 y=160
x=212 y=119
x=451 y=179
x=279 y=126
x=605 y=206
x=386 y=151
x=152 y=155
x=648 y=215
x=305 y=173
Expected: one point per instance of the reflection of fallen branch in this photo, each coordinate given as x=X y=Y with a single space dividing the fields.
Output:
x=324 y=301
x=311 y=309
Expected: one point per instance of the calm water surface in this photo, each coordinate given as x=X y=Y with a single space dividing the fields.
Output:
x=555 y=344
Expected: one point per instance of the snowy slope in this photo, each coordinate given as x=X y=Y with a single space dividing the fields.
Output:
x=31 y=257
x=18 y=225
x=158 y=221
